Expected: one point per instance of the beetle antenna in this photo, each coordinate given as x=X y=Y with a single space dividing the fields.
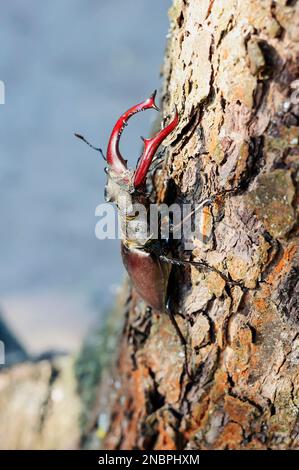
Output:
x=98 y=149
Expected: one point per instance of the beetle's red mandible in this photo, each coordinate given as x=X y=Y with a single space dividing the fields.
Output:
x=114 y=157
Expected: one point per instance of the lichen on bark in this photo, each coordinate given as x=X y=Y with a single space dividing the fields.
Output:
x=230 y=69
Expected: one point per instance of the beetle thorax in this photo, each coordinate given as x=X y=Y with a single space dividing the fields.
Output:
x=132 y=210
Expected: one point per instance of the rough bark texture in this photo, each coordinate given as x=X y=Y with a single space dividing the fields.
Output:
x=230 y=69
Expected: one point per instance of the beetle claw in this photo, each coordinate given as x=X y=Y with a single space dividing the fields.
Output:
x=150 y=148
x=114 y=158
x=153 y=96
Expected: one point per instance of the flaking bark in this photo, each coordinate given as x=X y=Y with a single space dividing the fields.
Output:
x=231 y=69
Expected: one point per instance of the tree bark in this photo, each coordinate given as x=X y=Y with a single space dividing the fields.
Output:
x=231 y=69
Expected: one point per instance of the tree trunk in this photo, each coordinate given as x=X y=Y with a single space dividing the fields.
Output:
x=231 y=69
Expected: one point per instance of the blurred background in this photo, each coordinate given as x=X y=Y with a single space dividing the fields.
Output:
x=68 y=66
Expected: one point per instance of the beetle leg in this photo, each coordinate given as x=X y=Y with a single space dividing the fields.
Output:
x=198 y=264
x=181 y=337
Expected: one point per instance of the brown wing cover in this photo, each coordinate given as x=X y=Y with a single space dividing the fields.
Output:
x=149 y=276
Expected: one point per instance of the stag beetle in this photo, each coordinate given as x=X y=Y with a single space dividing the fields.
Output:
x=145 y=259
